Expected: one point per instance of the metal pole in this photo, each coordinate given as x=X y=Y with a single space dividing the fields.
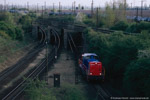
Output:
x=28 y=5
x=59 y=8
x=45 y=6
x=131 y=5
x=37 y=7
x=97 y=18
x=42 y=11
x=74 y=7
x=113 y=5
x=47 y=61
x=92 y=8
x=53 y=7
x=125 y=8
x=4 y=5
x=142 y=8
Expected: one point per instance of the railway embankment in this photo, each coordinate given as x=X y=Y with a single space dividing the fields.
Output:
x=16 y=72
x=11 y=52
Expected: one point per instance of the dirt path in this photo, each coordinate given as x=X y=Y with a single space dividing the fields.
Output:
x=65 y=67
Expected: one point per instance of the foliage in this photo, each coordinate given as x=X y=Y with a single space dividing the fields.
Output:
x=26 y=22
x=9 y=47
x=116 y=51
x=32 y=15
x=109 y=16
x=4 y=35
x=114 y=13
x=132 y=28
x=19 y=34
x=138 y=27
x=38 y=91
x=137 y=78
x=89 y=22
x=121 y=25
x=68 y=18
x=119 y=54
x=6 y=17
x=11 y=30
x=69 y=92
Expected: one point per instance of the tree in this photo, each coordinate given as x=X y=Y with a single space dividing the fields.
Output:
x=109 y=16
x=7 y=17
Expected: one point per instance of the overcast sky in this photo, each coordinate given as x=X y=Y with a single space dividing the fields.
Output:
x=69 y=2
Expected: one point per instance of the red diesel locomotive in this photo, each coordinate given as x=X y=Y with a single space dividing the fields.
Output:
x=91 y=67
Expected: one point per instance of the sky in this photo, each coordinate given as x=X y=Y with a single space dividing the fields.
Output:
x=100 y=3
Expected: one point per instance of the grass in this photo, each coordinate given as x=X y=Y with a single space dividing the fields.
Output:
x=9 y=47
x=38 y=90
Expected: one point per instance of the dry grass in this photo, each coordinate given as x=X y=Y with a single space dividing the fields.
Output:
x=11 y=51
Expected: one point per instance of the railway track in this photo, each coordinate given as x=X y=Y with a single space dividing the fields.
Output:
x=7 y=74
x=107 y=31
x=102 y=93
x=21 y=84
x=17 y=90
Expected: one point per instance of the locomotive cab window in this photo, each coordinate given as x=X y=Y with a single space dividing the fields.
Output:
x=87 y=57
x=96 y=57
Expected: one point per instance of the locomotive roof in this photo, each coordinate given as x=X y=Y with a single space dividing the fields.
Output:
x=89 y=54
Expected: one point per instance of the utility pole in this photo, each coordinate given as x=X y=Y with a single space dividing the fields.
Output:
x=74 y=7
x=45 y=6
x=42 y=12
x=28 y=5
x=92 y=8
x=137 y=14
x=113 y=5
x=12 y=6
x=131 y=5
x=47 y=61
x=125 y=4
x=37 y=7
x=97 y=17
x=4 y=5
x=53 y=7
x=59 y=8
x=142 y=8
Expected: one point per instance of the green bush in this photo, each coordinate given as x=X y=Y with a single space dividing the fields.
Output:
x=138 y=27
x=69 y=92
x=89 y=22
x=19 y=34
x=8 y=28
x=143 y=26
x=26 y=22
x=11 y=30
x=4 y=35
x=121 y=25
x=7 y=17
x=137 y=78
x=120 y=56
x=115 y=50
x=37 y=90
x=132 y=28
